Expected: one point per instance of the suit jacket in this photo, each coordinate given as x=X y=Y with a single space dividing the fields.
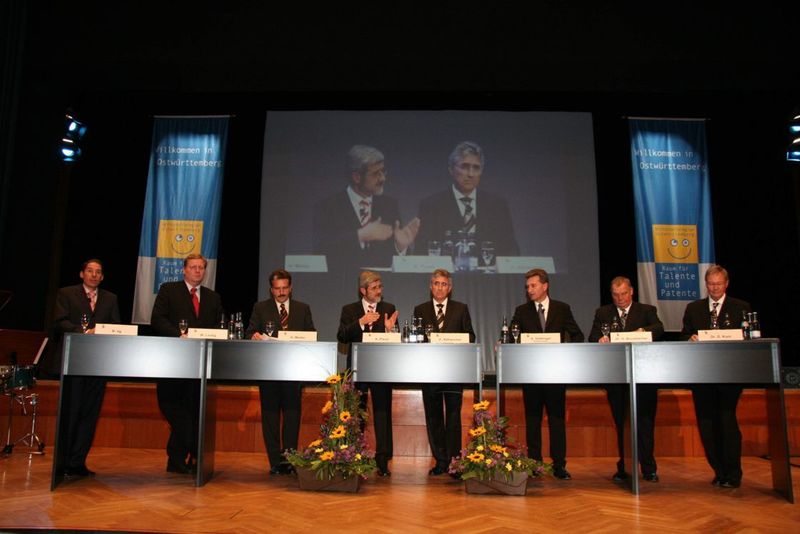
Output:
x=349 y=329
x=71 y=303
x=456 y=317
x=440 y=212
x=559 y=320
x=267 y=310
x=698 y=317
x=335 y=232
x=174 y=302
x=639 y=316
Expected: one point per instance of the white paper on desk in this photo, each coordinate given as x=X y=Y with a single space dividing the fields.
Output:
x=107 y=329
x=445 y=337
x=728 y=334
x=554 y=337
x=207 y=333
x=631 y=337
x=296 y=335
x=381 y=337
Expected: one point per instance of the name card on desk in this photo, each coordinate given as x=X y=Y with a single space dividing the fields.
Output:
x=381 y=337
x=523 y=264
x=554 y=337
x=305 y=263
x=728 y=334
x=631 y=337
x=207 y=333
x=296 y=335
x=107 y=329
x=444 y=337
x=421 y=264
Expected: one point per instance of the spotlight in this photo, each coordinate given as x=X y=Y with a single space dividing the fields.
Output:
x=793 y=152
x=75 y=128
x=70 y=151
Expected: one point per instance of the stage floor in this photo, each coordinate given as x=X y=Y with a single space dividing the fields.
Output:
x=133 y=493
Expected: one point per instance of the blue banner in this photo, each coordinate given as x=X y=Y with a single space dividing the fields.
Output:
x=672 y=203
x=182 y=204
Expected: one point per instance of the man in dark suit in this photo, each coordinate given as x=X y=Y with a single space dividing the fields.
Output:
x=178 y=399
x=442 y=402
x=625 y=315
x=86 y=393
x=372 y=314
x=360 y=226
x=541 y=314
x=465 y=210
x=285 y=313
x=715 y=404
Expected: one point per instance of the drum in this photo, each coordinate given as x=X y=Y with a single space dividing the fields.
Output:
x=21 y=377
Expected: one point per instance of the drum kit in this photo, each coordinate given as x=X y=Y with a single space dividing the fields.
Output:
x=16 y=381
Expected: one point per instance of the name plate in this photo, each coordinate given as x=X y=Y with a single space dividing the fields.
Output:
x=631 y=337
x=207 y=333
x=305 y=263
x=729 y=334
x=107 y=329
x=296 y=335
x=421 y=264
x=381 y=337
x=443 y=337
x=523 y=264
x=540 y=338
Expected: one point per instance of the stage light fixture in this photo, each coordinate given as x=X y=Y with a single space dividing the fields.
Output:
x=70 y=151
x=793 y=152
x=75 y=128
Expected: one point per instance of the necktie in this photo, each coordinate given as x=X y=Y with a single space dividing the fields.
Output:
x=623 y=315
x=370 y=309
x=195 y=302
x=469 y=217
x=542 y=319
x=440 y=317
x=90 y=295
x=363 y=212
x=714 y=319
x=284 y=317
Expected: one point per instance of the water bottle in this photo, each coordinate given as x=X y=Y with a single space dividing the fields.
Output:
x=755 y=327
x=472 y=253
x=745 y=326
x=462 y=252
x=222 y=324
x=504 y=335
x=239 y=327
x=406 y=333
x=447 y=245
x=231 y=327
x=615 y=327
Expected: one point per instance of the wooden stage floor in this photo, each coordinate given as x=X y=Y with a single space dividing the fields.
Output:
x=133 y=493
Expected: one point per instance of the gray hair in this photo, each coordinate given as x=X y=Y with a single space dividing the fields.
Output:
x=463 y=149
x=359 y=157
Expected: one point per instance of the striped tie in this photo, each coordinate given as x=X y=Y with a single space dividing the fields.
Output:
x=284 y=318
x=363 y=212
x=469 y=217
x=440 y=317
x=623 y=316
x=90 y=295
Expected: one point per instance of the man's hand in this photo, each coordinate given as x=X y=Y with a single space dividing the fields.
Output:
x=388 y=322
x=404 y=237
x=374 y=231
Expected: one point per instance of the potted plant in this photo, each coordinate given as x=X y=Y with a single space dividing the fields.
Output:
x=489 y=464
x=338 y=459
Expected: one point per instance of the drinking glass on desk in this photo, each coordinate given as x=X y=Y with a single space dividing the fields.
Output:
x=84 y=322
x=183 y=326
x=515 y=332
x=487 y=253
x=269 y=328
x=428 y=332
x=434 y=248
x=605 y=329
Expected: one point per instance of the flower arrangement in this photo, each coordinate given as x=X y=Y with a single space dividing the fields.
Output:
x=341 y=448
x=488 y=455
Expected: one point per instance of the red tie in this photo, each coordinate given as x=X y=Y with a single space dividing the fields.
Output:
x=195 y=302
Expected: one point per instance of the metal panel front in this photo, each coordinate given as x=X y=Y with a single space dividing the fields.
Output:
x=417 y=363
x=133 y=356
x=271 y=360
x=563 y=363
x=707 y=362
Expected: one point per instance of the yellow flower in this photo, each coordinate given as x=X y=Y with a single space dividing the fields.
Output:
x=343 y=447
x=519 y=463
x=315 y=443
x=497 y=448
x=326 y=456
x=479 y=448
x=489 y=461
x=338 y=432
x=475 y=432
x=476 y=457
x=509 y=467
x=479 y=406
x=327 y=407
x=319 y=449
x=344 y=416
x=358 y=456
x=505 y=454
x=333 y=379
